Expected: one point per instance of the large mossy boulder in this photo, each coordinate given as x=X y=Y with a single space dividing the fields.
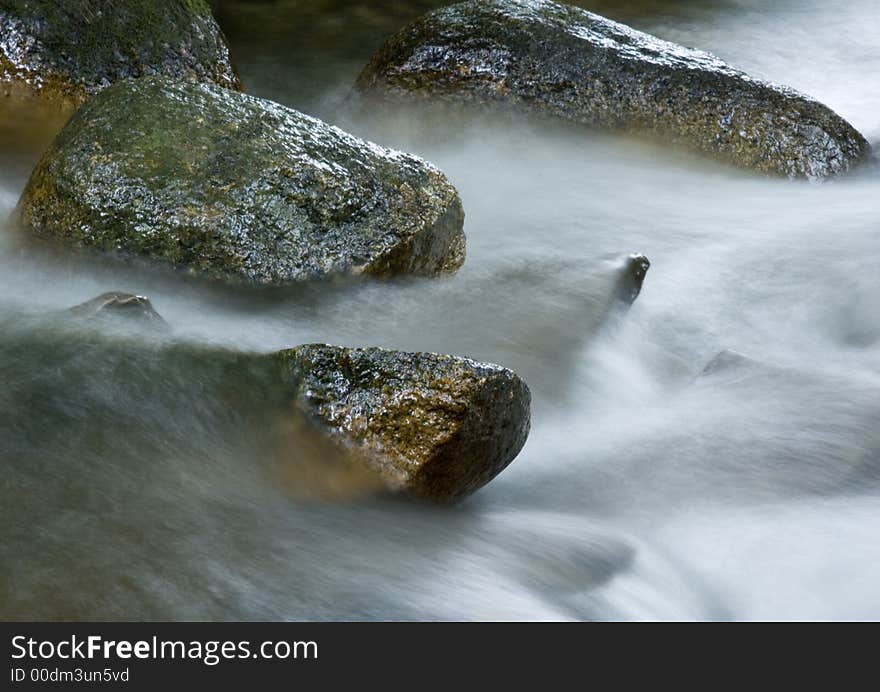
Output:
x=558 y=60
x=438 y=427
x=231 y=186
x=67 y=50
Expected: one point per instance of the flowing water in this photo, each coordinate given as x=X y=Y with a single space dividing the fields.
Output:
x=648 y=489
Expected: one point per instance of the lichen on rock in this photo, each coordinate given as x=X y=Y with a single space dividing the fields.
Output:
x=553 y=59
x=229 y=186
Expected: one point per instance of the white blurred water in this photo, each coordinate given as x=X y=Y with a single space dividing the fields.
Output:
x=645 y=491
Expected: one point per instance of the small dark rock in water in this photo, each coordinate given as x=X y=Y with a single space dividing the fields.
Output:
x=438 y=427
x=536 y=314
x=563 y=61
x=68 y=49
x=632 y=278
x=115 y=305
x=229 y=186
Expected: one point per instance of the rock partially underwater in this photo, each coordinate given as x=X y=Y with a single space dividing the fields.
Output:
x=67 y=50
x=122 y=307
x=728 y=362
x=432 y=426
x=438 y=427
x=233 y=187
x=558 y=60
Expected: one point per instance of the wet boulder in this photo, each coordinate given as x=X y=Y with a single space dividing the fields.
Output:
x=552 y=59
x=323 y=421
x=66 y=51
x=229 y=186
x=438 y=427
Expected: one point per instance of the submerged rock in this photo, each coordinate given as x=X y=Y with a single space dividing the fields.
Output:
x=71 y=49
x=234 y=187
x=727 y=361
x=322 y=421
x=120 y=306
x=436 y=426
x=731 y=368
x=563 y=61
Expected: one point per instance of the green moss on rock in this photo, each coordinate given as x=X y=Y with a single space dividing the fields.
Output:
x=563 y=61
x=69 y=49
x=435 y=426
x=229 y=186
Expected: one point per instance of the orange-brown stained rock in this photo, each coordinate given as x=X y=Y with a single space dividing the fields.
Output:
x=438 y=427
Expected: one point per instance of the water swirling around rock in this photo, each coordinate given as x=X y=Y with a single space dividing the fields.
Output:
x=644 y=491
x=553 y=59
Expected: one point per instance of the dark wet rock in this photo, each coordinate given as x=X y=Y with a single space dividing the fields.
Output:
x=438 y=427
x=120 y=306
x=629 y=285
x=69 y=50
x=553 y=59
x=234 y=187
